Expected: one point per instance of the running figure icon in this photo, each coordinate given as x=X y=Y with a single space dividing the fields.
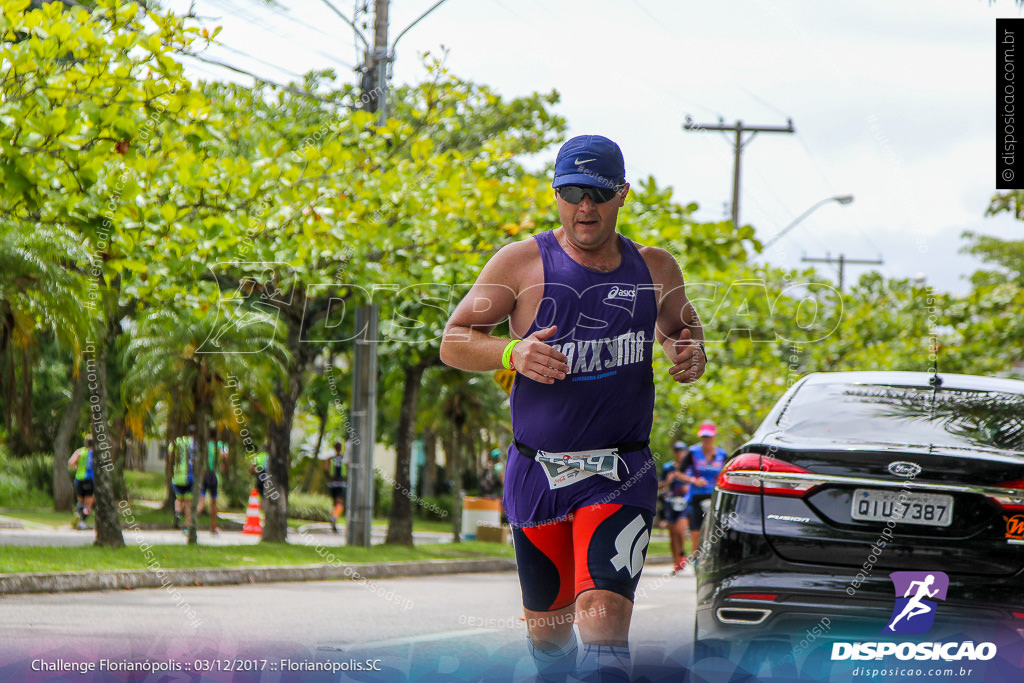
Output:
x=915 y=607
x=917 y=597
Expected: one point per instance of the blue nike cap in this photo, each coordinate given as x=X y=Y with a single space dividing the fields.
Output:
x=591 y=160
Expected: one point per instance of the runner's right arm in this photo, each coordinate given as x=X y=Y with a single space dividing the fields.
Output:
x=467 y=343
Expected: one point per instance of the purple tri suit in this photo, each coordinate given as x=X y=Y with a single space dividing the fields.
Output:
x=606 y=327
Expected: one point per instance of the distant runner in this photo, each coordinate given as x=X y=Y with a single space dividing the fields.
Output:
x=707 y=463
x=81 y=462
x=337 y=482
x=676 y=493
x=216 y=461
x=183 y=451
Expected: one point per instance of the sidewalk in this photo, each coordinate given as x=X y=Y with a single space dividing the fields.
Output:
x=20 y=532
x=312 y=535
x=23 y=533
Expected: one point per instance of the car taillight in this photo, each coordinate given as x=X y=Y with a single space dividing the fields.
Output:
x=753 y=596
x=1013 y=501
x=745 y=474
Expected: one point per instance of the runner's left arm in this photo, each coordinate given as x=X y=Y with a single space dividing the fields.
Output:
x=678 y=329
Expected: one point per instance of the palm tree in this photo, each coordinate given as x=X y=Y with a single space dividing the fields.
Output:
x=39 y=290
x=202 y=363
x=470 y=413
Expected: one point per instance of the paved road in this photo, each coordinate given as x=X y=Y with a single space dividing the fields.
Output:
x=450 y=624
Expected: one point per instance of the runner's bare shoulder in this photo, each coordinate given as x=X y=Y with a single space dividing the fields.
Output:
x=662 y=264
x=513 y=265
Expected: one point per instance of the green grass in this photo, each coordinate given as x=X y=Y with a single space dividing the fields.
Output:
x=20 y=559
x=659 y=548
x=38 y=515
x=145 y=485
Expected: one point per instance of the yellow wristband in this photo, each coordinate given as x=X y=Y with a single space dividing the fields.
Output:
x=506 y=356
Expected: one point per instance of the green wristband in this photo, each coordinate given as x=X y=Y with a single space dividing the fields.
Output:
x=506 y=356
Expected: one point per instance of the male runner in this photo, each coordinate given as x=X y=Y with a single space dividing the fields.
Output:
x=676 y=493
x=81 y=462
x=216 y=452
x=585 y=306
x=337 y=482
x=182 y=449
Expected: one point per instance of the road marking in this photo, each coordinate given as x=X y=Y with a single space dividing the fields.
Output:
x=444 y=635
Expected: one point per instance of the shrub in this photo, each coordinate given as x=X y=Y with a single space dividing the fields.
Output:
x=435 y=508
x=312 y=506
x=26 y=482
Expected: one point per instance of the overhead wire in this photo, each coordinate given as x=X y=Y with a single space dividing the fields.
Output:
x=261 y=79
x=227 y=47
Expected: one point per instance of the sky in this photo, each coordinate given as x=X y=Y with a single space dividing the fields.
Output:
x=893 y=103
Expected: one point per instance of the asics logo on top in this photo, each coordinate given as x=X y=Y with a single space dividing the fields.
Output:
x=585 y=161
x=617 y=292
x=630 y=545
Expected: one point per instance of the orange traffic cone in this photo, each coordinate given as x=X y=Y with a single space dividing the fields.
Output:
x=252 y=515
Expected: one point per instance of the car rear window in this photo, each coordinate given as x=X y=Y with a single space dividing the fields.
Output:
x=915 y=416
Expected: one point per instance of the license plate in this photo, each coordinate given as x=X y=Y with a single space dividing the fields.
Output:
x=928 y=509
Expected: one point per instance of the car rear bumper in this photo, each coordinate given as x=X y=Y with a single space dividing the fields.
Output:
x=808 y=603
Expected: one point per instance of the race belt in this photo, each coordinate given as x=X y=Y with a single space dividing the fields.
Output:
x=567 y=468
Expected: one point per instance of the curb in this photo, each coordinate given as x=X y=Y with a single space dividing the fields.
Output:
x=59 y=582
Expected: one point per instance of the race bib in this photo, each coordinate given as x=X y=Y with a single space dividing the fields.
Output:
x=678 y=503
x=566 y=469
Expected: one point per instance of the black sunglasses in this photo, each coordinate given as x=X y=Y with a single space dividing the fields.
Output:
x=574 y=194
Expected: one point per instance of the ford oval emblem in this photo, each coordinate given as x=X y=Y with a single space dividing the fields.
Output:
x=902 y=468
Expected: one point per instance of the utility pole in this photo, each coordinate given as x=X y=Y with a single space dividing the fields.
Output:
x=842 y=261
x=375 y=75
x=739 y=129
x=359 y=509
x=374 y=86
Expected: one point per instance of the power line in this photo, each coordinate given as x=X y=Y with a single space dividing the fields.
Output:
x=261 y=79
x=288 y=15
x=739 y=129
x=657 y=22
x=842 y=261
x=257 y=59
x=821 y=174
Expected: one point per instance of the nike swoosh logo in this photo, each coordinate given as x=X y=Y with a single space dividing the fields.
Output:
x=585 y=161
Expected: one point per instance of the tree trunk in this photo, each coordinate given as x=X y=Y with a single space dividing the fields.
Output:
x=307 y=482
x=8 y=377
x=199 y=463
x=63 y=491
x=455 y=469
x=120 y=430
x=430 y=462
x=400 y=524
x=25 y=412
x=275 y=500
x=108 y=522
x=172 y=431
x=275 y=505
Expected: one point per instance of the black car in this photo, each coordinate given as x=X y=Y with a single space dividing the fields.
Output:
x=855 y=475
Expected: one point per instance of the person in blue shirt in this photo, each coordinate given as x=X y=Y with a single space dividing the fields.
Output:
x=675 y=492
x=707 y=463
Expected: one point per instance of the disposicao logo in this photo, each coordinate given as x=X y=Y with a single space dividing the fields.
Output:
x=916 y=593
x=914 y=613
